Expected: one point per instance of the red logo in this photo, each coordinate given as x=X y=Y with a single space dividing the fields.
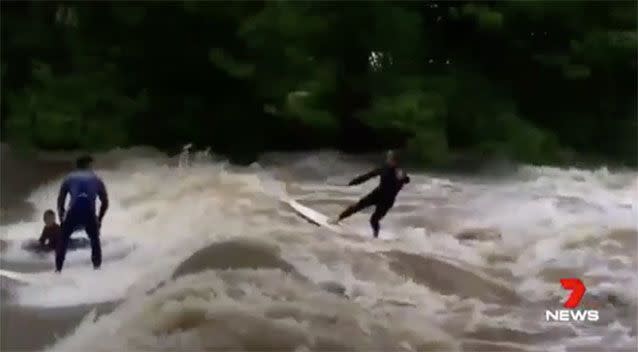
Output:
x=570 y=314
x=577 y=289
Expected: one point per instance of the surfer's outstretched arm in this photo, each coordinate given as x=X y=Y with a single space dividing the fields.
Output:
x=363 y=178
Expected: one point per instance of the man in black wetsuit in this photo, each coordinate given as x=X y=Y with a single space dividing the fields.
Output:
x=383 y=196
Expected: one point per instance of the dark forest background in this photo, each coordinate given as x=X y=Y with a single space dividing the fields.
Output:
x=541 y=81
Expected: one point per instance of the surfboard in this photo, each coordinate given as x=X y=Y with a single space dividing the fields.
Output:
x=34 y=246
x=38 y=278
x=321 y=220
x=314 y=216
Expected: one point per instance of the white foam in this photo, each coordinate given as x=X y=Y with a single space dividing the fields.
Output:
x=548 y=218
x=243 y=306
x=112 y=248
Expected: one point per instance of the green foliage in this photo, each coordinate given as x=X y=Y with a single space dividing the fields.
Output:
x=486 y=18
x=530 y=80
x=410 y=111
x=73 y=110
x=235 y=69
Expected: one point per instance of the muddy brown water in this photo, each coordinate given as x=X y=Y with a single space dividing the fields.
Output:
x=24 y=328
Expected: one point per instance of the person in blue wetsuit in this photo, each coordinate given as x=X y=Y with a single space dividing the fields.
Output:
x=392 y=179
x=83 y=186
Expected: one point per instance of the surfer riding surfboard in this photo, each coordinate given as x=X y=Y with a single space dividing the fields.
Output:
x=392 y=180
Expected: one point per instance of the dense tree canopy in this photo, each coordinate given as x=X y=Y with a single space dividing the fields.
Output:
x=538 y=81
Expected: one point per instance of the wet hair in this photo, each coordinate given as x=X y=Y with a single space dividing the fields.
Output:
x=48 y=212
x=83 y=162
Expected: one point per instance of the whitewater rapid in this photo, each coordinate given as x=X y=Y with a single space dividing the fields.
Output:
x=474 y=260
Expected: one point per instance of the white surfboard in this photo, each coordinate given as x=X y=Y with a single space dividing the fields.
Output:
x=322 y=220
x=314 y=216
x=39 y=278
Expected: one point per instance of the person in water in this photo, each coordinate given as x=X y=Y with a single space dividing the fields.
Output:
x=83 y=186
x=392 y=179
x=51 y=232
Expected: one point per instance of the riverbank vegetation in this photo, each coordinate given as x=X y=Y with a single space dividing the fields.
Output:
x=538 y=81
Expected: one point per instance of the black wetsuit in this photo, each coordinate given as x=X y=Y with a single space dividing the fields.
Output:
x=382 y=197
x=50 y=237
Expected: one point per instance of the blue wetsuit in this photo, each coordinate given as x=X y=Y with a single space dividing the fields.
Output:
x=84 y=187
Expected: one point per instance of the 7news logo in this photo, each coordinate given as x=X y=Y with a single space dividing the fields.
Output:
x=578 y=290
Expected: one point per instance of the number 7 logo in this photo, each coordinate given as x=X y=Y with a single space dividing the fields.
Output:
x=577 y=289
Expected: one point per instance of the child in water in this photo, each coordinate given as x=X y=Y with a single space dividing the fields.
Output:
x=51 y=232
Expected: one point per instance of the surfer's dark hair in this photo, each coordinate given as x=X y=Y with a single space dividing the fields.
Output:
x=48 y=212
x=84 y=161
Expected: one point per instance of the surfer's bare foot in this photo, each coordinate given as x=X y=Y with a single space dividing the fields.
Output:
x=333 y=221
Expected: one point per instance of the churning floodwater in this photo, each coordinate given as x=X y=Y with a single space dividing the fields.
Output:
x=203 y=255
